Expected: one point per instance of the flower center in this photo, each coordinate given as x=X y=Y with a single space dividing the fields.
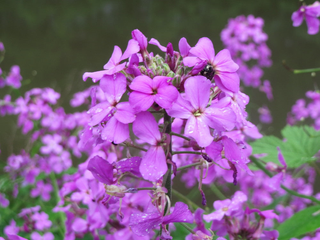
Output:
x=197 y=113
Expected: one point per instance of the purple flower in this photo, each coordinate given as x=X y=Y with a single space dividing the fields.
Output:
x=14 y=78
x=11 y=229
x=79 y=225
x=6 y=107
x=113 y=114
x=52 y=144
x=42 y=221
x=142 y=223
x=226 y=207
x=49 y=95
x=46 y=236
x=153 y=165
x=275 y=182
x=101 y=169
x=266 y=88
x=265 y=116
x=146 y=91
x=1 y=47
x=43 y=190
x=311 y=14
x=113 y=65
x=223 y=67
x=3 y=201
x=200 y=117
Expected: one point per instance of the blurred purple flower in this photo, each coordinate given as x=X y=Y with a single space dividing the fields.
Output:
x=311 y=14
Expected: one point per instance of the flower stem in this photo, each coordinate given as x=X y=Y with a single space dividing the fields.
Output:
x=187 y=227
x=185 y=199
x=180 y=135
x=56 y=193
x=147 y=188
x=168 y=181
x=189 y=166
x=187 y=152
x=292 y=192
x=310 y=70
x=217 y=192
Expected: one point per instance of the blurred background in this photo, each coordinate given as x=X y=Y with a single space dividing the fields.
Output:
x=55 y=42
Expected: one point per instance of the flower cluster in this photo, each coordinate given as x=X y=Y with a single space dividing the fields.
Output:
x=303 y=110
x=246 y=41
x=110 y=172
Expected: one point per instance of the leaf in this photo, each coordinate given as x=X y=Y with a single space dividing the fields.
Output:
x=300 y=223
x=300 y=146
x=180 y=232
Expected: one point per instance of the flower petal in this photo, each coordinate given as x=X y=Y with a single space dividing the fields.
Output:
x=198 y=91
x=115 y=131
x=146 y=128
x=115 y=58
x=114 y=87
x=153 y=165
x=204 y=49
x=224 y=63
x=180 y=213
x=199 y=130
x=101 y=169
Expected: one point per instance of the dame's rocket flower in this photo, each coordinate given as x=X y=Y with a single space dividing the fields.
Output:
x=113 y=65
x=142 y=223
x=221 y=67
x=146 y=91
x=311 y=13
x=153 y=165
x=112 y=114
x=200 y=117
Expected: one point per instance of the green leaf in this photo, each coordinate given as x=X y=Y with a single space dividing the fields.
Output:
x=300 y=223
x=300 y=145
x=180 y=232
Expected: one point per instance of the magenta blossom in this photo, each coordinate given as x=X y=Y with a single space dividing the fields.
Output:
x=113 y=65
x=200 y=117
x=146 y=91
x=226 y=207
x=112 y=114
x=153 y=165
x=142 y=223
x=311 y=14
x=221 y=66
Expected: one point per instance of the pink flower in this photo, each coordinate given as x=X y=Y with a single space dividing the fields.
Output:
x=146 y=91
x=153 y=165
x=112 y=114
x=226 y=207
x=311 y=13
x=200 y=117
x=221 y=67
x=113 y=65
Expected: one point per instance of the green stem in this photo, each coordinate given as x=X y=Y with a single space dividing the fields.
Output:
x=310 y=70
x=133 y=146
x=185 y=199
x=168 y=181
x=180 y=135
x=146 y=188
x=217 y=192
x=189 y=166
x=294 y=193
x=56 y=193
x=186 y=152
x=187 y=227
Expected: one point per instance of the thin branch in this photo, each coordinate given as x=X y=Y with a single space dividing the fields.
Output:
x=179 y=135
